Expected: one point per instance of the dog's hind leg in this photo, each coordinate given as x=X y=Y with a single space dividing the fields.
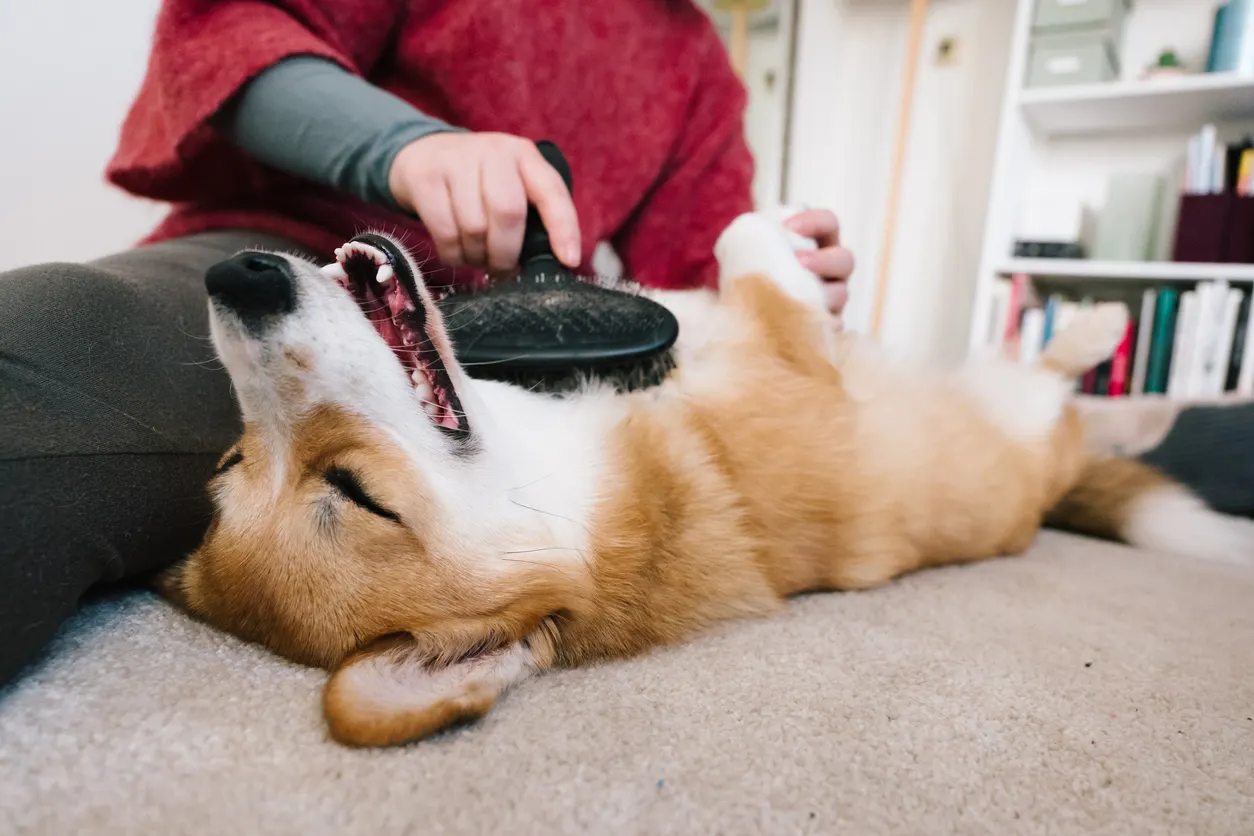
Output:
x=1091 y=338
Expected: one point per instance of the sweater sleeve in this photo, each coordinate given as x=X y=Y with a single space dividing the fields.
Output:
x=668 y=242
x=309 y=117
x=203 y=53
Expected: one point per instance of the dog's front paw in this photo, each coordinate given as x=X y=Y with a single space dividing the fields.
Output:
x=754 y=244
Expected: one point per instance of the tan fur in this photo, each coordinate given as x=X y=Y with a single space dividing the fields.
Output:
x=726 y=493
x=1098 y=505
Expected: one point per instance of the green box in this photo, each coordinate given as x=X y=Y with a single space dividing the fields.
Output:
x=1079 y=58
x=1056 y=16
x=1128 y=222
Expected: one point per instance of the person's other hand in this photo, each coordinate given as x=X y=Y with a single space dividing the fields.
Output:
x=831 y=262
x=471 y=191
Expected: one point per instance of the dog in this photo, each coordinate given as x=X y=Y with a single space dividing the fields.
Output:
x=433 y=540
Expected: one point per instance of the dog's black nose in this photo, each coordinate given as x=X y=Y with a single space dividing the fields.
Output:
x=253 y=285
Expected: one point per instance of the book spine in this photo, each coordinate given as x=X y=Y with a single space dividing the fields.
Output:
x=1030 y=333
x=1088 y=383
x=1218 y=371
x=1161 y=341
x=1182 y=346
x=997 y=314
x=1051 y=316
x=1238 y=344
x=1101 y=378
x=1245 y=380
x=1066 y=312
x=1203 y=340
x=1144 y=335
x=1119 y=364
x=1211 y=299
x=1018 y=287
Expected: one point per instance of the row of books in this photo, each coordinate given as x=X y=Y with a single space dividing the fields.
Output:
x=1215 y=167
x=1182 y=343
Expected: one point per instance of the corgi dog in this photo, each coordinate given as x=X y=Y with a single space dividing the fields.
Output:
x=433 y=540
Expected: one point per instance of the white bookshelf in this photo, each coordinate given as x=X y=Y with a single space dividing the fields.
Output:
x=1086 y=132
x=1130 y=106
x=1161 y=271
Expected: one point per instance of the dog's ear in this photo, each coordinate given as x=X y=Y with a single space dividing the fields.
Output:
x=391 y=692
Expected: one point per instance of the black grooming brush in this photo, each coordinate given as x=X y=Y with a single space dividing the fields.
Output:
x=551 y=330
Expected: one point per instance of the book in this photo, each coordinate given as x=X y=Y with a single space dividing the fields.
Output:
x=1119 y=364
x=1063 y=316
x=1144 y=336
x=1162 y=339
x=1014 y=310
x=1245 y=380
x=1031 y=331
x=1245 y=173
x=1232 y=39
x=1238 y=344
x=1088 y=382
x=1217 y=370
x=1212 y=298
x=998 y=308
x=1101 y=378
x=1051 y=316
x=1182 y=346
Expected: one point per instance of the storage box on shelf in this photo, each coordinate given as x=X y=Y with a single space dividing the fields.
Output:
x=1076 y=42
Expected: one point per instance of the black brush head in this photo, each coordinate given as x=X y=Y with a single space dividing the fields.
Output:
x=559 y=328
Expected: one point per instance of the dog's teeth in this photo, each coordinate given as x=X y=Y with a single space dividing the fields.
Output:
x=334 y=271
x=421 y=386
x=385 y=276
x=432 y=410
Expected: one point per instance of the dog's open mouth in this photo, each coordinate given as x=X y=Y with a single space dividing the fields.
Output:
x=378 y=275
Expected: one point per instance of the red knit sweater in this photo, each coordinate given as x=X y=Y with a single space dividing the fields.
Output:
x=639 y=94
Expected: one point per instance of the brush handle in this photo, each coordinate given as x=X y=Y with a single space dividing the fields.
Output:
x=536 y=259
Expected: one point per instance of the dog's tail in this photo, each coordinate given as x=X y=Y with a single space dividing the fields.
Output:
x=1124 y=499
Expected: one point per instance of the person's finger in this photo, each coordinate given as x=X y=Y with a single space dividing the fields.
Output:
x=472 y=222
x=837 y=296
x=552 y=200
x=832 y=263
x=505 y=201
x=434 y=206
x=819 y=224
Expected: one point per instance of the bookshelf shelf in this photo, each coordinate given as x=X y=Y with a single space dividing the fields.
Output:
x=1166 y=271
x=1132 y=106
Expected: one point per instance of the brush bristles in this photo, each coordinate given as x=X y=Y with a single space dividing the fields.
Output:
x=622 y=377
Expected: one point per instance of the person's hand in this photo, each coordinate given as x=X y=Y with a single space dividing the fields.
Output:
x=831 y=262
x=471 y=191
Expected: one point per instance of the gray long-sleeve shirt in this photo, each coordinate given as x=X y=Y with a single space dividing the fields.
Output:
x=309 y=117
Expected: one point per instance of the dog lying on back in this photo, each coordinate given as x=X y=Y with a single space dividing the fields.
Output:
x=434 y=539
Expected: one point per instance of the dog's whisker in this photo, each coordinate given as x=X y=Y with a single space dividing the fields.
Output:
x=570 y=520
x=533 y=481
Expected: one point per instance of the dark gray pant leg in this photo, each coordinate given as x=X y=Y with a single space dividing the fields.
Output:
x=1211 y=450
x=113 y=411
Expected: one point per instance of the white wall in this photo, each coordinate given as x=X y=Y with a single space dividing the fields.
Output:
x=849 y=80
x=68 y=71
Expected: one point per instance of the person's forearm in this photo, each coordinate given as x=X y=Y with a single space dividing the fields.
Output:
x=309 y=117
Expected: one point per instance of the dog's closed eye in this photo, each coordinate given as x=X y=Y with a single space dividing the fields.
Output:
x=349 y=486
x=229 y=462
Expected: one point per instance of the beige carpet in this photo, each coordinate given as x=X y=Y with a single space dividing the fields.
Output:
x=1085 y=688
